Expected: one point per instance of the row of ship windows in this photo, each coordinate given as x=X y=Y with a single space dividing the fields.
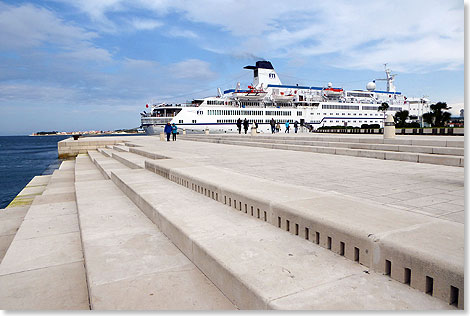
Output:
x=352 y=121
x=360 y=114
x=212 y=102
x=258 y=121
x=291 y=121
x=299 y=113
x=356 y=107
x=248 y=112
x=234 y=121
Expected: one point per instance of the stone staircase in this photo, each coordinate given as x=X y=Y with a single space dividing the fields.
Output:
x=131 y=227
x=285 y=247
x=130 y=264
x=433 y=151
x=43 y=268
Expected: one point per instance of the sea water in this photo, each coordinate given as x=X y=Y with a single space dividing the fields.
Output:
x=21 y=159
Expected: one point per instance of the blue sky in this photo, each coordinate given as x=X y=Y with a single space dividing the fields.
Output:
x=93 y=64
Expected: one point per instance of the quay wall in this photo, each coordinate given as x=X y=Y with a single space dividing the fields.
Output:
x=398 y=131
x=70 y=148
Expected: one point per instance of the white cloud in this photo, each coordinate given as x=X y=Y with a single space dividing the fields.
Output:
x=29 y=26
x=177 y=32
x=145 y=24
x=35 y=93
x=191 y=69
x=418 y=34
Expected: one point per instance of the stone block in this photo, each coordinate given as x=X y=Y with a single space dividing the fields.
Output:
x=415 y=249
x=130 y=160
x=415 y=149
x=346 y=152
x=353 y=293
x=398 y=141
x=456 y=143
x=34 y=190
x=40 y=180
x=47 y=226
x=328 y=216
x=388 y=147
x=439 y=160
x=326 y=150
x=88 y=175
x=58 y=190
x=39 y=210
x=129 y=255
x=5 y=242
x=54 y=198
x=372 y=154
x=36 y=253
x=13 y=212
x=10 y=225
x=412 y=157
x=448 y=151
x=157 y=292
x=428 y=142
x=61 y=287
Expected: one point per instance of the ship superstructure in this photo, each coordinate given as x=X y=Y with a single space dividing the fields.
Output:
x=267 y=98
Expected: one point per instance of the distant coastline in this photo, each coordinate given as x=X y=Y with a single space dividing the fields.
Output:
x=89 y=133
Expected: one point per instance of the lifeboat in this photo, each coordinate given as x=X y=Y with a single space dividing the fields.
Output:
x=283 y=97
x=332 y=92
x=250 y=94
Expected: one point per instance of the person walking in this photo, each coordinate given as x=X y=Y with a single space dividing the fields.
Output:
x=278 y=127
x=174 y=131
x=273 y=125
x=167 y=130
x=296 y=126
x=245 y=125
x=239 y=125
x=287 y=127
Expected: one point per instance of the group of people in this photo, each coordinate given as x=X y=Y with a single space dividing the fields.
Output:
x=170 y=129
x=245 y=124
x=276 y=128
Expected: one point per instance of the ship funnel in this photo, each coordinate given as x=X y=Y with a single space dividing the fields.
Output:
x=264 y=74
x=219 y=92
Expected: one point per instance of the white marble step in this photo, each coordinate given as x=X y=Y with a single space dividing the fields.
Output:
x=130 y=264
x=256 y=265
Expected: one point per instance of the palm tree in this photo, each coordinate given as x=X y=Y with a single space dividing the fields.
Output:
x=383 y=108
x=437 y=118
x=401 y=117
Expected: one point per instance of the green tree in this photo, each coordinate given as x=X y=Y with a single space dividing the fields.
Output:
x=401 y=117
x=437 y=117
x=383 y=108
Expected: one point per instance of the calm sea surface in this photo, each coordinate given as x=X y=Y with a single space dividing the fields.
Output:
x=21 y=159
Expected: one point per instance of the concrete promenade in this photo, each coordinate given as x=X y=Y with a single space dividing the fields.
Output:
x=423 y=188
x=289 y=222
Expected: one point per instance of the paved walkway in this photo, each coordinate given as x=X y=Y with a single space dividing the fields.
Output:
x=433 y=190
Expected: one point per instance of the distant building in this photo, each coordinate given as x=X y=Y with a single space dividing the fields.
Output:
x=456 y=121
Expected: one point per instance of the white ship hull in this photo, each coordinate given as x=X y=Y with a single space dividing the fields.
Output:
x=314 y=106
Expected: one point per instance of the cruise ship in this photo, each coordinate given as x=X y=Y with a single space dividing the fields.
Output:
x=267 y=98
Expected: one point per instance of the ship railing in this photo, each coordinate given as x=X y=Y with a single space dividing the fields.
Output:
x=156 y=120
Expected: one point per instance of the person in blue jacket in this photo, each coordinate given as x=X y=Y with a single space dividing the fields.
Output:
x=174 y=131
x=167 y=131
x=287 y=127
